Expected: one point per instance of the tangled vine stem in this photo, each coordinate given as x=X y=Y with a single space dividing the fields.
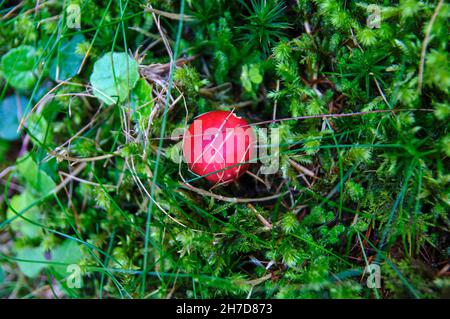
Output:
x=230 y=199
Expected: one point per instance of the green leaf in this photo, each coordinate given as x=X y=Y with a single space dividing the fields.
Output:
x=141 y=103
x=18 y=67
x=35 y=261
x=254 y=74
x=250 y=75
x=38 y=127
x=141 y=97
x=10 y=109
x=69 y=252
x=19 y=203
x=35 y=178
x=114 y=76
x=68 y=61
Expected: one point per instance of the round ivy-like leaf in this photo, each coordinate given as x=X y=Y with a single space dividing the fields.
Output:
x=35 y=178
x=68 y=61
x=18 y=204
x=68 y=253
x=31 y=261
x=113 y=77
x=9 y=117
x=18 y=67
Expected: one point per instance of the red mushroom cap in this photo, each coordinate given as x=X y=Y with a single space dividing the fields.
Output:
x=215 y=145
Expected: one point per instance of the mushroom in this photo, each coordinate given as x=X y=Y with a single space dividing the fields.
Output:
x=219 y=145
